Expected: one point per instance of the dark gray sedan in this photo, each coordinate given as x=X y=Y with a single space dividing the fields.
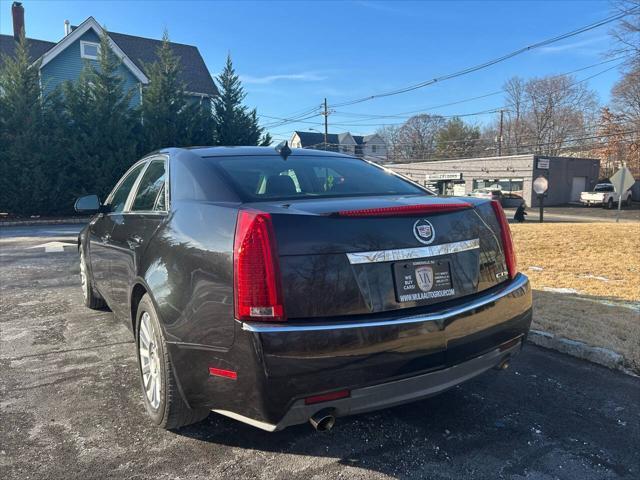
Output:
x=278 y=287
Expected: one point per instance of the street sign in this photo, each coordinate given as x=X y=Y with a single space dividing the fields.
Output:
x=540 y=185
x=622 y=180
x=443 y=176
x=543 y=163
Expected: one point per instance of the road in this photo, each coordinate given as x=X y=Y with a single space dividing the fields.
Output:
x=71 y=406
x=580 y=214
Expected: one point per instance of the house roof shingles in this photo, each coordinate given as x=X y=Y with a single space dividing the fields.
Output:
x=141 y=51
x=37 y=48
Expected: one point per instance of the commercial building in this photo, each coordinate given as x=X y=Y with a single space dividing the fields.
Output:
x=513 y=175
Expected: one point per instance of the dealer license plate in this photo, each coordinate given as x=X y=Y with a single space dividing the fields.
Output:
x=418 y=280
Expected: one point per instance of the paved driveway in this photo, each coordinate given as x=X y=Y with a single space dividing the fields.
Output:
x=70 y=406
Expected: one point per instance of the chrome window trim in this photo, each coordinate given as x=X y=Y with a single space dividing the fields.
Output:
x=519 y=283
x=410 y=253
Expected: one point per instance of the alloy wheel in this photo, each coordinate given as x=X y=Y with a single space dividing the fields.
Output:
x=149 y=360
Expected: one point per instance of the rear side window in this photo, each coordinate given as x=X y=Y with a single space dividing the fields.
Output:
x=272 y=177
x=121 y=193
x=151 y=185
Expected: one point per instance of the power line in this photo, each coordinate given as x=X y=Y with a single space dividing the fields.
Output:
x=494 y=61
x=457 y=102
x=484 y=112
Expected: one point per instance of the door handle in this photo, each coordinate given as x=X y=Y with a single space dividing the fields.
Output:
x=134 y=241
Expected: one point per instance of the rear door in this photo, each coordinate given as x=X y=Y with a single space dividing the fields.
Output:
x=133 y=229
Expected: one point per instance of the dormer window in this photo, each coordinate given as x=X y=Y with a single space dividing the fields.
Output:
x=89 y=50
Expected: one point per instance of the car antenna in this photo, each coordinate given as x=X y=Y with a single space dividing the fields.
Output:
x=283 y=149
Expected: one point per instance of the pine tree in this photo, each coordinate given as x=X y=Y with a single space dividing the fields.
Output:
x=457 y=139
x=235 y=123
x=101 y=127
x=164 y=100
x=26 y=167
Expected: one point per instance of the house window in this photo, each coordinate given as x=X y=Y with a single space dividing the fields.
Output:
x=89 y=50
x=374 y=148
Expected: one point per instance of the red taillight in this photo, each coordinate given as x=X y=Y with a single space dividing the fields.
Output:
x=327 y=397
x=257 y=292
x=219 y=372
x=505 y=235
x=405 y=210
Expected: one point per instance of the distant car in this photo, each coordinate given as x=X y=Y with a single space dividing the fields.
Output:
x=278 y=287
x=604 y=194
x=487 y=193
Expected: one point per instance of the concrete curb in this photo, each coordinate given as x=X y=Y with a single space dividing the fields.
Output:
x=601 y=356
x=44 y=221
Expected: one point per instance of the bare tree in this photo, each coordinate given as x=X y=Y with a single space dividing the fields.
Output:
x=546 y=115
x=417 y=137
x=515 y=125
x=391 y=136
x=626 y=34
x=625 y=103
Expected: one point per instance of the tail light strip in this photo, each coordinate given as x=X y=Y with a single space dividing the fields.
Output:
x=507 y=241
x=404 y=210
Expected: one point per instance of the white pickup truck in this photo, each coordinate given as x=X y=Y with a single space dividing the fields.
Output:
x=605 y=195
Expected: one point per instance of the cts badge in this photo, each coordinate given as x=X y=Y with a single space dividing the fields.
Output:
x=424 y=231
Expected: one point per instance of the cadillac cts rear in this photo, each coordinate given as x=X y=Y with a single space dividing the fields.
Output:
x=278 y=287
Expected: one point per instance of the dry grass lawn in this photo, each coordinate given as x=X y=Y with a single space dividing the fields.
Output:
x=597 y=268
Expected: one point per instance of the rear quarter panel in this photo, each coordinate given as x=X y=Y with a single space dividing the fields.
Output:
x=188 y=269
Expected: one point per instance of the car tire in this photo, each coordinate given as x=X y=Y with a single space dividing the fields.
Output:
x=610 y=204
x=162 y=400
x=91 y=298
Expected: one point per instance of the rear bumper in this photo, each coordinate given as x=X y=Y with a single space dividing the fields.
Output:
x=382 y=360
x=385 y=395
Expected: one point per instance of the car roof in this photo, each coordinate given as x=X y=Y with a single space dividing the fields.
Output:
x=207 y=152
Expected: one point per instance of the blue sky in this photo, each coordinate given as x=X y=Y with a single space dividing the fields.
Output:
x=293 y=54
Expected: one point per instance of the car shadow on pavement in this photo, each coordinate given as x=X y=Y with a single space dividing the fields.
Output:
x=501 y=424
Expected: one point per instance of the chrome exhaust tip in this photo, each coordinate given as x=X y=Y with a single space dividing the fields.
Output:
x=324 y=420
x=503 y=365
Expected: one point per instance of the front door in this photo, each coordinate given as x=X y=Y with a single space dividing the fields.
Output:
x=100 y=228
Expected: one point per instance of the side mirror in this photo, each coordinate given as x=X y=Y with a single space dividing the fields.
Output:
x=87 y=204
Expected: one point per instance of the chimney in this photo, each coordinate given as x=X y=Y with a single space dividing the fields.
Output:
x=17 y=11
x=67 y=28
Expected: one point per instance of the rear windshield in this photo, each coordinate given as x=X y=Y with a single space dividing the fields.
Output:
x=603 y=188
x=273 y=178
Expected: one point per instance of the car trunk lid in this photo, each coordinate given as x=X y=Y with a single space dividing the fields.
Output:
x=352 y=256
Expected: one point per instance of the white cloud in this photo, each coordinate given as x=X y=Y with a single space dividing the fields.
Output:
x=579 y=46
x=299 y=77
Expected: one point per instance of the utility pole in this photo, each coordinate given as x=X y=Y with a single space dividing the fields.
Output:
x=500 y=134
x=326 y=124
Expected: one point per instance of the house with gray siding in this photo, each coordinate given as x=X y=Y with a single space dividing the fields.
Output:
x=371 y=147
x=64 y=60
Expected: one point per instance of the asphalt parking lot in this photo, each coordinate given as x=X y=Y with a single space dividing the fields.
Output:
x=70 y=406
